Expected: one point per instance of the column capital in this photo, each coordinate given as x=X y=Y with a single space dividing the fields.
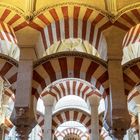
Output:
x=47 y=98
x=94 y=100
x=120 y=123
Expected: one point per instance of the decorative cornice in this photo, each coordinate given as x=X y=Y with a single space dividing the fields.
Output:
x=70 y=53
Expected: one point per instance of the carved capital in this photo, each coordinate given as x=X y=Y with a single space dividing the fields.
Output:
x=23 y=122
x=120 y=126
x=120 y=123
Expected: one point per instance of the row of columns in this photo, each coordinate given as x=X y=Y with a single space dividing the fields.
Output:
x=24 y=92
x=117 y=115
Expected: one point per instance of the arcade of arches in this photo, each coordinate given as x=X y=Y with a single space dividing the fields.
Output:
x=70 y=70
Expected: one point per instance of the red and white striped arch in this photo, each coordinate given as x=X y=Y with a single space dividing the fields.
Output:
x=128 y=19
x=73 y=22
x=11 y=16
x=131 y=75
x=72 y=86
x=8 y=70
x=8 y=41
x=131 y=44
x=71 y=130
x=67 y=115
x=70 y=65
x=132 y=36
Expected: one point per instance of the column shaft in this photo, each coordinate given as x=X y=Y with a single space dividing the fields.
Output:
x=24 y=83
x=24 y=117
x=120 y=119
x=48 y=123
x=94 y=123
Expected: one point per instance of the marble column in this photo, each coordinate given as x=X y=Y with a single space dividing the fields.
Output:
x=48 y=123
x=94 y=103
x=48 y=101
